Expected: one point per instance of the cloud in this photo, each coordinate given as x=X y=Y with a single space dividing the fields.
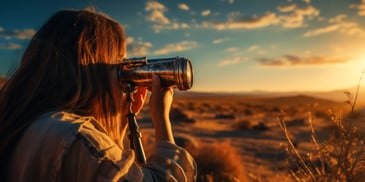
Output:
x=229 y=1
x=322 y=30
x=290 y=16
x=232 y=61
x=205 y=12
x=184 y=7
x=232 y=50
x=10 y=46
x=155 y=6
x=338 y=23
x=157 y=12
x=291 y=60
x=295 y=16
x=178 y=47
x=287 y=8
x=160 y=22
x=24 y=34
x=244 y=22
x=218 y=41
x=253 y=48
x=138 y=48
x=360 y=7
x=170 y=26
x=158 y=17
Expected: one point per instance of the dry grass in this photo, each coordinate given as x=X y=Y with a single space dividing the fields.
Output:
x=339 y=157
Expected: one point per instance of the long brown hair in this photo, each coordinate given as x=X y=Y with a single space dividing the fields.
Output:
x=65 y=67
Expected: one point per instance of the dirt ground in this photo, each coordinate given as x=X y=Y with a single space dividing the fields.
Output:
x=251 y=125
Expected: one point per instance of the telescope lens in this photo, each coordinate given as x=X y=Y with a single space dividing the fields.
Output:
x=189 y=75
x=184 y=79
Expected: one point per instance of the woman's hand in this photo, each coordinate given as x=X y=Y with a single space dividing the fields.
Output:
x=160 y=105
x=139 y=97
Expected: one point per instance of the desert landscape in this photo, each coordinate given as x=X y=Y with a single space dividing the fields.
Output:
x=268 y=137
x=239 y=137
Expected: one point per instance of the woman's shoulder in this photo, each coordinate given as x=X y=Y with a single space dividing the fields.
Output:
x=61 y=129
x=64 y=122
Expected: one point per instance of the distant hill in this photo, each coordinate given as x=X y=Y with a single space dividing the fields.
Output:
x=303 y=99
x=325 y=96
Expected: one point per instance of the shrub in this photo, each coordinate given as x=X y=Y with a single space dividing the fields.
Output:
x=242 y=125
x=260 y=127
x=225 y=116
x=178 y=115
x=218 y=161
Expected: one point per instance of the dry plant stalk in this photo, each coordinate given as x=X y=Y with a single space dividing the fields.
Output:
x=338 y=158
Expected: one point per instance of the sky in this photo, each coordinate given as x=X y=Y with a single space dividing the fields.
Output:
x=234 y=45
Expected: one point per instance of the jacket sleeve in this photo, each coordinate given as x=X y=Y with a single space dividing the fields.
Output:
x=95 y=157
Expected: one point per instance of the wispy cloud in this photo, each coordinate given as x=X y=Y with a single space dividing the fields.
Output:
x=138 y=48
x=178 y=47
x=232 y=61
x=232 y=50
x=360 y=7
x=290 y=16
x=238 y=21
x=323 y=30
x=205 y=12
x=10 y=46
x=294 y=16
x=15 y=34
x=184 y=7
x=287 y=8
x=24 y=34
x=160 y=22
x=219 y=41
x=170 y=26
x=253 y=48
x=292 y=60
x=156 y=10
x=229 y=1
x=338 y=24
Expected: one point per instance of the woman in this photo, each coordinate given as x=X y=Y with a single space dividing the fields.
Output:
x=63 y=112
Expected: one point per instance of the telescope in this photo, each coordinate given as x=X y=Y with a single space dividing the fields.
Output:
x=176 y=72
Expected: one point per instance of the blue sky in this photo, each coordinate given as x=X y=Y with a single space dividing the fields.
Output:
x=235 y=45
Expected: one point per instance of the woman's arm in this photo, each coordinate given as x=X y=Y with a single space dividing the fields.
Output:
x=160 y=104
